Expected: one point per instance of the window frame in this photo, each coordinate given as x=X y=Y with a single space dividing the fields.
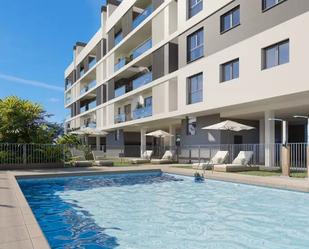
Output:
x=189 y=8
x=230 y=12
x=222 y=70
x=199 y=90
x=189 y=50
x=277 y=46
x=264 y=9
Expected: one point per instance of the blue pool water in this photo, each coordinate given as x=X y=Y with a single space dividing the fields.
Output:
x=156 y=211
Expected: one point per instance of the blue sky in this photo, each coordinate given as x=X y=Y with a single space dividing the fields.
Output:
x=36 y=45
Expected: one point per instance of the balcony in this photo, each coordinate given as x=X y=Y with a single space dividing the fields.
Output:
x=142 y=49
x=88 y=106
x=68 y=84
x=120 y=91
x=91 y=124
x=121 y=63
x=68 y=100
x=142 y=80
x=92 y=62
x=90 y=86
x=120 y=118
x=118 y=38
x=81 y=73
x=142 y=112
x=141 y=17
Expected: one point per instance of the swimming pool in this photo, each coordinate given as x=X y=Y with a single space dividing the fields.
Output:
x=155 y=210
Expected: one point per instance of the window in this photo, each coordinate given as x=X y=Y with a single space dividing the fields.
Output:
x=267 y=4
x=195 y=89
x=230 y=70
x=276 y=55
x=191 y=126
x=194 y=7
x=195 y=45
x=230 y=20
x=148 y=101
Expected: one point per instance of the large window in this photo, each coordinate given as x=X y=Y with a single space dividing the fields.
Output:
x=230 y=70
x=191 y=126
x=231 y=19
x=267 y=4
x=194 y=7
x=195 y=89
x=276 y=55
x=195 y=45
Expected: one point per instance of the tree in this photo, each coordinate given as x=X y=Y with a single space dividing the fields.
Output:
x=22 y=121
x=68 y=139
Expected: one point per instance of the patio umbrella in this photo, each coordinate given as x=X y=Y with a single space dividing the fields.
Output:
x=87 y=131
x=159 y=134
x=228 y=125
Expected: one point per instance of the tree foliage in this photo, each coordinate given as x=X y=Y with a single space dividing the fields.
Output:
x=68 y=139
x=22 y=121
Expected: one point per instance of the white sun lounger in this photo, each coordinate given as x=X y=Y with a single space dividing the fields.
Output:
x=166 y=159
x=100 y=159
x=219 y=158
x=146 y=157
x=240 y=163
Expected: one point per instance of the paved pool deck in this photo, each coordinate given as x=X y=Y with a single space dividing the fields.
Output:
x=20 y=230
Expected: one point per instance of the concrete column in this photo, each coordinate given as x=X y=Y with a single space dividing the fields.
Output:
x=269 y=138
x=308 y=162
x=286 y=162
x=98 y=142
x=143 y=141
x=261 y=140
x=172 y=131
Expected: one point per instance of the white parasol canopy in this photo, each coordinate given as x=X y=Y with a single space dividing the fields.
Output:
x=228 y=125
x=159 y=133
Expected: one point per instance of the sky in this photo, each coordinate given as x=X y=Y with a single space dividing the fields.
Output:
x=36 y=45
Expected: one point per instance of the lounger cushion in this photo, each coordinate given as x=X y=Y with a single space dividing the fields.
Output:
x=82 y=164
x=103 y=163
x=161 y=161
x=139 y=161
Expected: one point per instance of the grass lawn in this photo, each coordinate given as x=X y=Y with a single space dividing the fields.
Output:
x=273 y=173
x=183 y=166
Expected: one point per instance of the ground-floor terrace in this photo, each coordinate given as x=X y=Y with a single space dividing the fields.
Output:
x=276 y=122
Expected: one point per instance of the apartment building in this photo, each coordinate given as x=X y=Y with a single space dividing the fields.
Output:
x=181 y=65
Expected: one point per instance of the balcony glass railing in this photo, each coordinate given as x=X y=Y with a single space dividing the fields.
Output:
x=142 y=80
x=85 y=89
x=88 y=106
x=92 y=62
x=141 y=17
x=118 y=38
x=142 y=48
x=82 y=73
x=120 y=118
x=68 y=100
x=120 y=91
x=68 y=84
x=92 y=124
x=121 y=63
x=142 y=112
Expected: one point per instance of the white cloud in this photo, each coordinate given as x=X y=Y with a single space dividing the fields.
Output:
x=30 y=82
x=54 y=100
